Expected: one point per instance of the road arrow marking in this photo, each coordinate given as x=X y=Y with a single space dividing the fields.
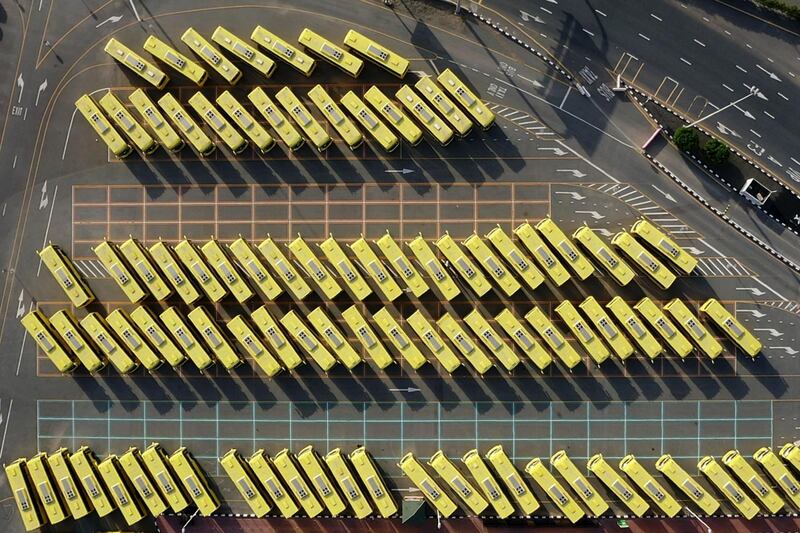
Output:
x=692 y=250
x=574 y=195
x=594 y=214
x=574 y=172
x=409 y=489
x=602 y=231
x=408 y=389
x=787 y=349
x=399 y=171
x=20 y=305
x=555 y=150
x=774 y=161
x=21 y=85
x=45 y=199
x=755 y=313
x=752 y=290
x=42 y=87
x=113 y=20
x=768 y=73
x=772 y=332
x=725 y=130
x=533 y=82
x=666 y=195
x=748 y=114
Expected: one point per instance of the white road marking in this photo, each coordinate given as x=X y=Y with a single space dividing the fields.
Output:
x=700 y=43
x=546 y=10
x=561 y=106
x=600 y=12
x=686 y=61
x=14 y=164
x=585 y=160
x=770 y=116
x=795 y=161
x=783 y=96
x=773 y=291
x=712 y=248
x=754 y=132
x=645 y=37
x=730 y=89
x=656 y=17
x=740 y=68
x=47 y=229
x=22 y=348
x=5 y=429
x=587 y=31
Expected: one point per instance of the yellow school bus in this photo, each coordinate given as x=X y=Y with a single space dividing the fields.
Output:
x=219 y=261
x=515 y=483
x=284 y=51
x=444 y=105
x=149 y=325
x=266 y=475
x=337 y=464
x=95 y=117
x=64 y=479
x=311 y=464
x=433 y=341
x=213 y=57
x=402 y=343
x=244 y=51
x=426 y=116
x=157 y=464
x=611 y=478
x=548 y=482
x=491 y=264
x=536 y=246
x=346 y=269
x=140 y=348
x=414 y=470
x=97 y=328
x=366 y=335
x=612 y=335
x=172 y=269
x=511 y=252
x=343 y=125
x=559 y=241
x=127 y=57
x=553 y=338
x=20 y=485
x=402 y=266
x=481 y=114
x=275 y=118
x=162 y=129
x=752 y=480
x=369 y=260
x=693 y=327
x=635 y=328
x=197 y=267
x=176 y=60
x=334 y=338
x=583 y=332
x=252 y=129
x=136 y=256
x=489 y=337
x=115 y=109
x=658 y=240
x=307 y=341
x=39 y=328
x=450 y=249
x=645 y=481
x=378 y=54
x=186 y=125
x=215 y=339
x=217 y=121
x=678 y=476
x=287 y=469
x=671 y=335
x=128 y=504
x=133 y=467
x=375 y=126
x=488 y=484
x=269 y=328
x=303 y=118
x=65 y=324
x=333 y=54
x=458 y=483
x=84 y=463
x=314 y=268
x=651 y=266
x=530 y=346
x=194 y=481
x=113 y=263
x=791 y=453
x=727 y=486
x=393 y=115
x=255 y=268
x=471 y=352
x=177 y=326
x=240 y=475
x=376 y=488
x=779 y=473
x=66 y=275
x=243 y=333
x=612 y=263
x=729 y=325
x=276 y=258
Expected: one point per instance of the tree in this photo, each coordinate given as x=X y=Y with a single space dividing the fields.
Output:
x=686 y=139
x=716 y=152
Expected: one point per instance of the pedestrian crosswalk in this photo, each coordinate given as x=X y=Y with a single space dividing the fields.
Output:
x=522 y=120
x=721 y=266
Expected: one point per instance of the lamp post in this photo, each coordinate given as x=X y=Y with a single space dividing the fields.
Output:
x=753 y=91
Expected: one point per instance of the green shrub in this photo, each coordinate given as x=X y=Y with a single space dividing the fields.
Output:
x=716 y=152
x=686 y=139
x=787 y=8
